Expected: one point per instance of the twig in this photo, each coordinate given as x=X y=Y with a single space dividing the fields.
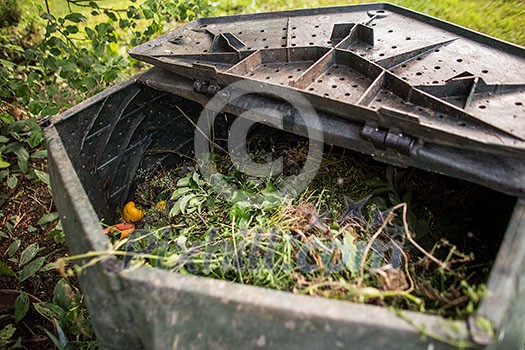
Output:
x=235 y=250
x=415 y=244
x=369 y=245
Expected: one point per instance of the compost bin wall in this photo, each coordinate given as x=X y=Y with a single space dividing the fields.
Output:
x=91 y=174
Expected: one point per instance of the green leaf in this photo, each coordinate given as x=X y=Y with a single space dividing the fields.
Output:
x=49 y=310
x=62 y=294
x=47 y=218
x=4 y=164
x=184 y=182
x=180 y=192
x=13 y=248
x=111 y=15
x=3 y=139
x=43 y=176
x=184 y=202
x=50 y=109
x=6 y=270
x=39 y=154
x=12 y=181
x=72 y=29
x=76 y=17
x=29 y=253
x=35 y=139
x=21 y=307
x=31 y=269
x=6 y=335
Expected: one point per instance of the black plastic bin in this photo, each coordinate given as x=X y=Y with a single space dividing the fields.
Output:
x=96 y=148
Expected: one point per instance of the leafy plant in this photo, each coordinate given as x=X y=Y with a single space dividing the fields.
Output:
x=21 y=144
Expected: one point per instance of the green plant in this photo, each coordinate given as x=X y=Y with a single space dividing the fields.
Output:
x=67 y=311
x=9 y=13
x=21 y=151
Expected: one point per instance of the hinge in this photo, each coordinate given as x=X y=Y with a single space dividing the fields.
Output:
x=205 y=87
x=392 y=138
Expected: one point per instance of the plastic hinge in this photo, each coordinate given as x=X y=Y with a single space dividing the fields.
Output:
x=392 y=138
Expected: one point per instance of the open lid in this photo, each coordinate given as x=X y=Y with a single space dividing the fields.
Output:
x=379 y=64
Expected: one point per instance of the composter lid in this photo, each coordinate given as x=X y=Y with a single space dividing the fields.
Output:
x=385 y=66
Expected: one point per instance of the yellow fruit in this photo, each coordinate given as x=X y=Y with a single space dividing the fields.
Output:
x=131 y=213
x=161 y=205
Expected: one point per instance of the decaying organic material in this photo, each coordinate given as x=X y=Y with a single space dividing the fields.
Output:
x=360 y=231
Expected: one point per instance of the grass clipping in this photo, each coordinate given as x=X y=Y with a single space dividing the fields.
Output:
x=352 y=234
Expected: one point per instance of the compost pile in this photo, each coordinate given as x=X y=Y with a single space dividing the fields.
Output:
x=361 y=231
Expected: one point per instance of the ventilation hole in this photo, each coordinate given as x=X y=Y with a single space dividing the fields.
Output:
x=284 y=38
x=294 y=44
x=420 y=109
x=379 y=100
x=462 y=124
x=328 y=73
x=362 y=55
x=436 y=50
x=283 y=45
x=404 y=78
x=320 y=81
x=204 y=50
x=381 y=54
x=311 y=89
x=342 y=78
x=435 y=82
x=482 y=106
x=262 y=30
x=394 y=47
x=347 y=94
x=329 y=42
x=439 y=116
x=266 y=47
x=293 y=37
x=374 y=24
x=334 y=86
x=249 y=48
x=277 y=70
x=354 y=85
x=419 y=73
x=326 y=95
x=284 y=28
x=197 y=43
x=437 y=67
x=252 y=74
x=518 y=103
x=369 y=48
x=317 y=26
x=390 y=31
x=294 y=28
x=484 y=71
x=264 y=65
x=403 y=66
x=311 y=43
x=408 y=38
x=418 y=59
x=267 y=78
x=239 y=33
x=298 y=69
x=264 y=39
x=314 y=35
x=459 y=60
x=290 y=76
